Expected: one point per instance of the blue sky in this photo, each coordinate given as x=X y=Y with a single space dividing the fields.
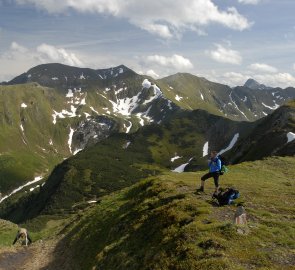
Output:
x=223 y=40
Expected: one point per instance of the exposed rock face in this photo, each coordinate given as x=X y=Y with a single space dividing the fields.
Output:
x=92 y=131
x=252 y=84
x=240 y=216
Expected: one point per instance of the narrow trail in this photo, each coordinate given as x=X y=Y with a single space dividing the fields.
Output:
x=35 y=257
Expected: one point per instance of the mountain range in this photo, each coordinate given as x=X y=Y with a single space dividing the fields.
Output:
x=81 y=147
x=54 y=111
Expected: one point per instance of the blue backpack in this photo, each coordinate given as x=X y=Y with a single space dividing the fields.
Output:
x=227 y=197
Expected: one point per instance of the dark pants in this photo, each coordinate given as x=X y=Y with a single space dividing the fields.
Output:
x=215 y=175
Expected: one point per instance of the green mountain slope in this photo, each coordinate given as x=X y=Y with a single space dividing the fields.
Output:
x=41 y=125
x=159 y=223
x=110 y=164
x=26 y=133
x=239 y=103
x=270 y=136
x=54 y=111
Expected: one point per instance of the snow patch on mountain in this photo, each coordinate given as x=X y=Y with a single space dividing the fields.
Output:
x=205 y=149
x=178 y=98
x=180 y=169
x=119 y=91
x=70 y=93
x=157 y=93
x=271 y=107
x=273 y=93
x=125 y=106
x=55 y=115
x=83 y=101
x=64 y=114
x=71 y=139
x=23 y=105
x=202 y=97
x=33 y=188
x=87 y=114
x=54 y=78
x=141 y=120
x=128 y=128
x=290 y=137
x=175 y=158
x=36 y=179
x=144 y=116
x=126 y=145
x=169 y=104
x=244 y=99
x=231 y=144
x=236 y=106
x=77 y=151
x=92 y=109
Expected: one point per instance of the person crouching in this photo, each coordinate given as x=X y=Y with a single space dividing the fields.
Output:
x=22 y=233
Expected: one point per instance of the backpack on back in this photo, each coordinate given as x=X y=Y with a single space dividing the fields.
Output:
x=224 y=162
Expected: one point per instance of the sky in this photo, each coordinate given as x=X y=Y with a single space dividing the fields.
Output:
x=226 y=41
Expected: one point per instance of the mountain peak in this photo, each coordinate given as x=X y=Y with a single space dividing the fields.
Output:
x=252 y=84
x=54 y=74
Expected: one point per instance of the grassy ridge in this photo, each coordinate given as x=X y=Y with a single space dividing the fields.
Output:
x=8 y=231
x=160 y=223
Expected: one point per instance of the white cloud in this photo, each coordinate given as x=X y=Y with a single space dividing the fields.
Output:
x=234 y=78
x=279 y=79
x=17 y=47
x=158 y=29
x=49 y=53
x=263 y=68
x=282 y=80
x=176 y=61
x=164 y=18
x=249 y=2
x=27 y=58
x=224 y=55
x=152 y=74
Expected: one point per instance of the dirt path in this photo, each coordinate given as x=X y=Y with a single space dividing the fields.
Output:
x=35 y=257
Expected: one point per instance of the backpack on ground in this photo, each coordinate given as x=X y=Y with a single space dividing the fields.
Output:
x=224 y=162
x=226 y=197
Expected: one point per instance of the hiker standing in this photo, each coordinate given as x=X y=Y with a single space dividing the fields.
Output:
x=214 y=171
x=23 y=233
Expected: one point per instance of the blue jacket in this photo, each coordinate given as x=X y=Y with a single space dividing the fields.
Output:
x=215 y=165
